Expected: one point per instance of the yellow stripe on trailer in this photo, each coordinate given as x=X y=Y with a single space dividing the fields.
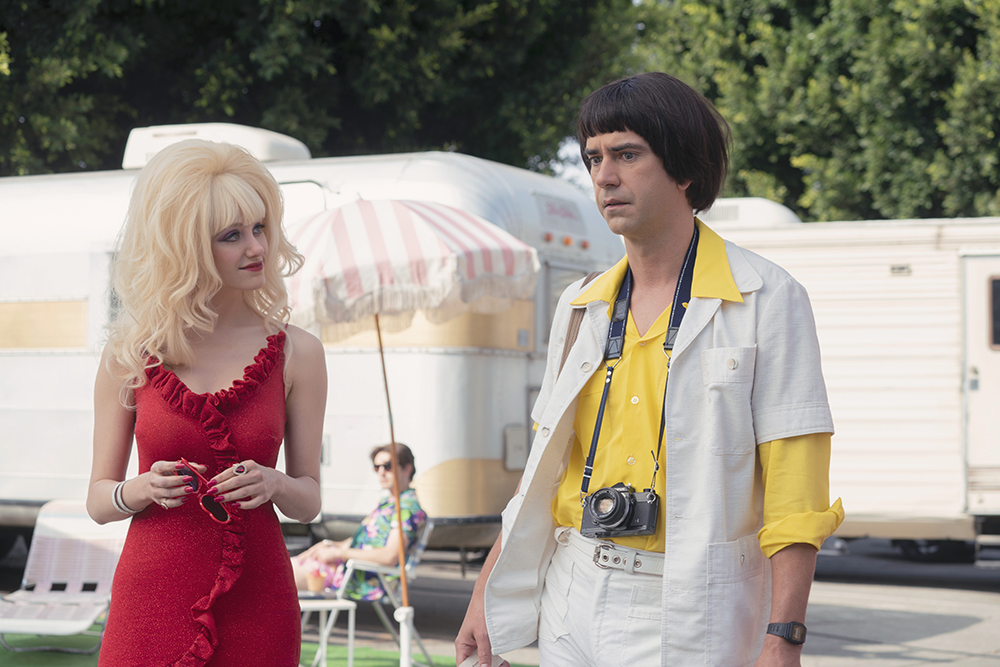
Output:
x=43 y=324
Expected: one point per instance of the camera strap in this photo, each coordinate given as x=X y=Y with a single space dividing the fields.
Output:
x=616 y=344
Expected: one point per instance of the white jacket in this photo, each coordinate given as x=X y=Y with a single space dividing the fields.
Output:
x=741 y=374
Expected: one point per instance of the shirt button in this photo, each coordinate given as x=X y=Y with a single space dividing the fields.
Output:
x=732 y=364
x=545 y=432
x=635 y=400
x=585 y=367
x=642 y=344
x=631 y=460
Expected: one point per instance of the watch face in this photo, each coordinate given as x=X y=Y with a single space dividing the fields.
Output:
x=794 y=632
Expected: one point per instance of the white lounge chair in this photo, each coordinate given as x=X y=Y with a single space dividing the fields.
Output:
x=66 y=586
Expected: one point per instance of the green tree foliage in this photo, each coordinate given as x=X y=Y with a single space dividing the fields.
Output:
x=846 y=109
x=496 y=78
x=46 y=123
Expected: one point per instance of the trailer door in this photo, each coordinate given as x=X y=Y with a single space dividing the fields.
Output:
x=982 y=382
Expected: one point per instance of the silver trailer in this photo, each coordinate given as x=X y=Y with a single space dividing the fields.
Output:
x=461 y=390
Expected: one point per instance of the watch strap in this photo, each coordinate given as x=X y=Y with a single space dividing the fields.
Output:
x=793 y=633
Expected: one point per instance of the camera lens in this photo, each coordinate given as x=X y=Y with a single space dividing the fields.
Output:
x=611 y=507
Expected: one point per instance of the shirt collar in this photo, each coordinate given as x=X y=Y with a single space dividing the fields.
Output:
x=713 y=278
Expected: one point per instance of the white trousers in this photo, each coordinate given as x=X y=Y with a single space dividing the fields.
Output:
x=593 y=616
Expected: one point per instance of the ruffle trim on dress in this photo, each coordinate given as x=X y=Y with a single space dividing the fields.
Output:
x=207 y=409
x=177 y=395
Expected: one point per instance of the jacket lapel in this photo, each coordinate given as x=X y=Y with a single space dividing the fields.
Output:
x=701 y=311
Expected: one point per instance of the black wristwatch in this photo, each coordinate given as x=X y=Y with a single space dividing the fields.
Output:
x=793 y=633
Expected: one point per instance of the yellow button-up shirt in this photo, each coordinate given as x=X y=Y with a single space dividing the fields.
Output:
x=795 y=470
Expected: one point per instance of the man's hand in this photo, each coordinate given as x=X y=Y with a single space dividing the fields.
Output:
x=473 y=638
x=779 y=653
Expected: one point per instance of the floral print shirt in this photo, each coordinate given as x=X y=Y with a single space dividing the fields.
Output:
x=373 y=533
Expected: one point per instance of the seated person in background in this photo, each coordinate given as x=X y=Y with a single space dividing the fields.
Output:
x=376 y=540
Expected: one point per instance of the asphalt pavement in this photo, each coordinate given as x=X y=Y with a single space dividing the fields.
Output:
x=871 y=607
x=868 y=606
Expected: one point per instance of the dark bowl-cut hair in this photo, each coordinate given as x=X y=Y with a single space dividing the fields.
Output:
x=403 y=455
x=681 y=127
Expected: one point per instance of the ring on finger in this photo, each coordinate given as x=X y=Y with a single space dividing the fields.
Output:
x=163 y=504
x=240 y=469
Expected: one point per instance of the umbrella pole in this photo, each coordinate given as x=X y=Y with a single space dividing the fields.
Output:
x=403 y=615
x=395 y=476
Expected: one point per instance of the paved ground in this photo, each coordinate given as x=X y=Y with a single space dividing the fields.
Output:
x=868 y=607
x=896 y=626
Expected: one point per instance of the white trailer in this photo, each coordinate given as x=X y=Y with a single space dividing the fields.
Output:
x=908 y=316
x=461 y=391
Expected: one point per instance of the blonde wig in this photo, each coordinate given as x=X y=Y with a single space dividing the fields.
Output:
x=164 y=276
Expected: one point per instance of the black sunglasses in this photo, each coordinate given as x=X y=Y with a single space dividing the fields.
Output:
x=387 y=466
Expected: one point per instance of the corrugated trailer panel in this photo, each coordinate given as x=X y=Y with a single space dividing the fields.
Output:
x=888 y=305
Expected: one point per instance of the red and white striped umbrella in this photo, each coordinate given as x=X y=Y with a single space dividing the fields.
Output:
x=373 y=264
x=395 y=257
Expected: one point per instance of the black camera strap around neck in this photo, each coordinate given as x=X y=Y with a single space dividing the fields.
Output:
x=616 y=344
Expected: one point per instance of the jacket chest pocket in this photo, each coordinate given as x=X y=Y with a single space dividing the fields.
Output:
x=727 y=374
x=728 y=365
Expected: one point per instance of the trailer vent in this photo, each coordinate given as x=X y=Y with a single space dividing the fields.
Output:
x=723 y=213
x=746 y=211
x=900 y=270
x=144 y=142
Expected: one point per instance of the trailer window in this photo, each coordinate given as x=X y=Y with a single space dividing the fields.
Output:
x=995 y=312
x=43 y=323
x=557 y=280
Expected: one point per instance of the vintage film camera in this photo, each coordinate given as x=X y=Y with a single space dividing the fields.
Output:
x=618 y=511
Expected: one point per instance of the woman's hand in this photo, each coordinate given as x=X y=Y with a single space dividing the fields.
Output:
x=331 y=553
x=246 y=485
x=165 y=487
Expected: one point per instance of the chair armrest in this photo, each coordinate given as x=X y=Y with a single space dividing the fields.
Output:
x=355 y=565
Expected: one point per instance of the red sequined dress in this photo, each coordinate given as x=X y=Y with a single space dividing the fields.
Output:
x=190 y=592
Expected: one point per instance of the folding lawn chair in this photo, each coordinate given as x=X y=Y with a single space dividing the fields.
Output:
x=310 y=602
x=391 y=589
x=67 y=579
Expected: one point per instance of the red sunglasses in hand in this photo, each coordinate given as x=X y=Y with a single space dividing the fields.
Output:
x=200 y=485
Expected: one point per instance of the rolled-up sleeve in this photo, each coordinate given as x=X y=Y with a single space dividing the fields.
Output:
x=797 y=509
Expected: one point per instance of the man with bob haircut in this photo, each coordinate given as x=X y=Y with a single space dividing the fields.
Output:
x=665 y=522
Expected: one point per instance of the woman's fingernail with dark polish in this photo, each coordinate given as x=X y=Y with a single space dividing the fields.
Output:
x=220 y=499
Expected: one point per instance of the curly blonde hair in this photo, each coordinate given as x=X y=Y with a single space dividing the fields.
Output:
x=164 y=276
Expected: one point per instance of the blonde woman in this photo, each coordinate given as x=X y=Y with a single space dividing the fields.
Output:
x=201 y=369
